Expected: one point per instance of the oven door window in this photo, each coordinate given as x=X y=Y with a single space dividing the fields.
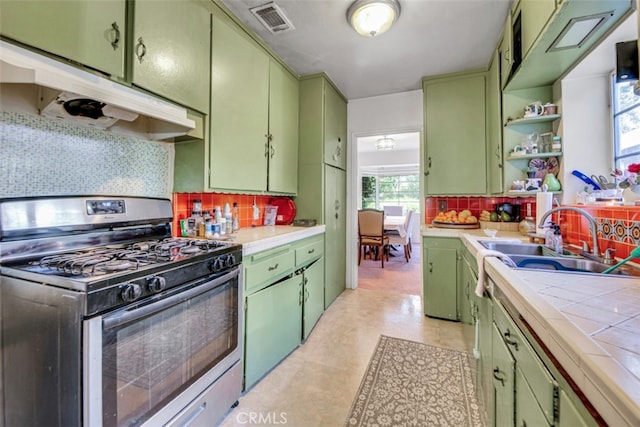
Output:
x=153 y=352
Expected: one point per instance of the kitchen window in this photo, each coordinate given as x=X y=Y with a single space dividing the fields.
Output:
x=626 y=124
x=401 y=190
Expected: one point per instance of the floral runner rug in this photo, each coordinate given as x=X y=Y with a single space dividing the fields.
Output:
x=412 y=384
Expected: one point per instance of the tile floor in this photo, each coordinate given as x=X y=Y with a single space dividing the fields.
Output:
x=315 y=385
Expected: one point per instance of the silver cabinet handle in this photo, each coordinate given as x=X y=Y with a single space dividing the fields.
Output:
x=114 y=43
x=275 y=267
x=273 y=151
x=266 y=148
x=508 y=340
x=141 y=49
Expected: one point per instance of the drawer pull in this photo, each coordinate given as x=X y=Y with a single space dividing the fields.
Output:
x=507 y=336
x=275 y=267
x=496 y=371
x=310 y=251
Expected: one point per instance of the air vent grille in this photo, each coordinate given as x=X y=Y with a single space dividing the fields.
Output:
x=272 y=17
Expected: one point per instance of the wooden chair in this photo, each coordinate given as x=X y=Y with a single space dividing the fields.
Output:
x=405 y=242
x=371 y=233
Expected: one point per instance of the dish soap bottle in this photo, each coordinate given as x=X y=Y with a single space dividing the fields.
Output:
x=549 y=239
x=235 y=220
x=557 y=239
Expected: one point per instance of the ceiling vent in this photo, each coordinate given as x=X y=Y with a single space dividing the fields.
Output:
x=272 y=17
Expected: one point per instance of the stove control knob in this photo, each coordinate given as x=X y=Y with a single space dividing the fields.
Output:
x=156 y=283
x=231 y=260
x=131 y=292
x=217 y=264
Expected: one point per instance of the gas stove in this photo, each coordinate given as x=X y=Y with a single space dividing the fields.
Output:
x=109 y=248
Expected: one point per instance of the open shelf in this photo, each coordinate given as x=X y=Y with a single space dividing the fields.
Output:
x=535 y=156
x=533 y=120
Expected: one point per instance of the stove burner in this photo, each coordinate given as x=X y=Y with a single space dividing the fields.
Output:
x=126 y=257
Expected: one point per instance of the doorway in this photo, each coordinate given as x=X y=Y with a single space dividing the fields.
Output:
x=387 y=172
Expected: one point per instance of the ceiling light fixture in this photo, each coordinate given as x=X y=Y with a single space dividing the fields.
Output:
x=385 y=144
x=372 y=17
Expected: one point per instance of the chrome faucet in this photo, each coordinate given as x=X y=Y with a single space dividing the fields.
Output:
x=592 y=223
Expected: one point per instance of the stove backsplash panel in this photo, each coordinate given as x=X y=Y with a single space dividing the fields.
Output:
x=42 y=157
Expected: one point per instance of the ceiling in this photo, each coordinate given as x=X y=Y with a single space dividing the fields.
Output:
x=431 y=37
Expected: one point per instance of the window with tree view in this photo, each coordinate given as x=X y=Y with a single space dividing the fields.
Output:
x=626 y=125
x=401 y=190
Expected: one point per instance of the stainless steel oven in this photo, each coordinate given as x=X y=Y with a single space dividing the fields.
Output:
x=129 y=332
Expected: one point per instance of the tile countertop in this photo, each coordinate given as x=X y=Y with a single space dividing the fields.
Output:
x=590 y=323
x=257 y=239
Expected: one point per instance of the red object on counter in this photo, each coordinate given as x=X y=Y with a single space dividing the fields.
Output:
x=286 y=210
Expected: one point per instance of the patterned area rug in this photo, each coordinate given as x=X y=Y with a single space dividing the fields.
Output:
x=412 y=384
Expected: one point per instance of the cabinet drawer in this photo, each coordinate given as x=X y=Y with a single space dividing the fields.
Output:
x=537 y=376
x=309 y=251
x=267 y=267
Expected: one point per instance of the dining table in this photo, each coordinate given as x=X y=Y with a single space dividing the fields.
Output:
x=395 y=223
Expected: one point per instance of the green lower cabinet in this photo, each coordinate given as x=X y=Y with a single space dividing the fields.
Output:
x=503 y=382
x=335 y=217
x=272 y=327
x=528 y=412
x=570 y=415
x=440 y=277
x=313 y=305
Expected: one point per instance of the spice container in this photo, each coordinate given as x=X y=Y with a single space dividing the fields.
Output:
x=556 y=145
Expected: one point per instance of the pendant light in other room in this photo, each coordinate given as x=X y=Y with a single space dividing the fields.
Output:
x=385 y=144
x=372 y=17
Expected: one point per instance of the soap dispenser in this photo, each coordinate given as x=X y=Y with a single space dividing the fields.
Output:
x=557 y=239
x=549 y=236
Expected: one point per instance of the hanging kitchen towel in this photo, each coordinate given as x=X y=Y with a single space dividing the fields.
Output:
x=544 y=199
x=480 y=256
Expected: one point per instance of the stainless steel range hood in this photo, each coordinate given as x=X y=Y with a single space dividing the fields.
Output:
x=95 y=101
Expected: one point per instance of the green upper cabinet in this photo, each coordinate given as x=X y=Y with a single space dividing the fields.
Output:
x=335 y=128
x=455 y=124
x=494 y=127
x=323 y=123
x=283 y=130
x=254 y=115
x=534 y=15
x=171 y=48
x=506 y=53
x=91 y=33
x=239 y=109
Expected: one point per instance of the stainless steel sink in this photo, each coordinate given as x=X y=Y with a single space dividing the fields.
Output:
x=570 y=265
x=523 y=249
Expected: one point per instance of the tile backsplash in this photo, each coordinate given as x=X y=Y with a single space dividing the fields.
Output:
x=618 y=226
x=45 y=157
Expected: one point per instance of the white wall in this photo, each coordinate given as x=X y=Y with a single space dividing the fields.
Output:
x=384 y=114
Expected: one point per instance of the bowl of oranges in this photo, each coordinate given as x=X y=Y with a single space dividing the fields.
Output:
x=454 y=219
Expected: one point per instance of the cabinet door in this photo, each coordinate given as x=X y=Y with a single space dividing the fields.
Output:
x=440 y=280
x=272 y=327
x=171 y=50
x=528 y=413
x=91 y=33
x=335 y=128
x=313 y=296
x=239 y=109
x=283 y=130
x=494 y=127
x=506 y=52
x=534 y=17
x=485 y=363
x=335 y=233
x=503 y=382
x=569 y=414
x=455 y=136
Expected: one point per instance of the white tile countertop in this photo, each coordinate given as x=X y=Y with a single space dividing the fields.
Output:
x=591 y=324
x=257 y=239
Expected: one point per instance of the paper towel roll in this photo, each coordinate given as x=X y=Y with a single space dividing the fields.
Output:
x=544 y=200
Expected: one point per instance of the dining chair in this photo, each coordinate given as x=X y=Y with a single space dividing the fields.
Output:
x=404 y=241
x=391 y=210
x=371 y=233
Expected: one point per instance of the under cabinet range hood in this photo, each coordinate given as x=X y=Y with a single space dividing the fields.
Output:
x=78 y=96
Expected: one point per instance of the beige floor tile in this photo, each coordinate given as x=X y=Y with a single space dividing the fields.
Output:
x=316 y=384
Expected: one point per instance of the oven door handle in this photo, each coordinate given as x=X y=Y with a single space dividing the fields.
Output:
x=125 y=317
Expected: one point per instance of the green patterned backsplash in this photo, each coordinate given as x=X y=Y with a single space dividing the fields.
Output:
x=44 y=157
